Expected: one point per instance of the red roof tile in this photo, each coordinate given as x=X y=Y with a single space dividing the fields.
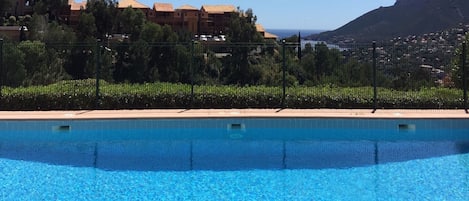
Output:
x=163 y=7
x=220 y=9
x=131 y=3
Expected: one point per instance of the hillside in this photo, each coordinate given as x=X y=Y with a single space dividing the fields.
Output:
x=405 y=17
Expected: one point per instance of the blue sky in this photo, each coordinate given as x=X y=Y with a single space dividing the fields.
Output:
x=295 y=14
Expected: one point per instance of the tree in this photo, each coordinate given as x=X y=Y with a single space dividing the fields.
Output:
x=86 y=28
x=82 y=60
x=244 y=38
x=353 y=74
x=308 y=63
x=325 y=60
x=50 y=33
x=139 y=55
x=15 y=72
x=5 y=5
x=12 y=21
x=131 y=21
x=105 y=15
x=37 y=27
x=35 y=60
x=42 y=65
x=164 y=60
x=50 y=8
x=122 y=64
x=456 y=73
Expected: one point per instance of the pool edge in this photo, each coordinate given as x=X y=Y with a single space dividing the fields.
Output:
x=233 y=113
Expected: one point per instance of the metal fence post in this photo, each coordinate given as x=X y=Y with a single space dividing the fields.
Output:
x=98 y=69
x=464 y=74
x=300 y=53
x=191 y=70
x=375 y=91
x=1 y=66
x=284 y=68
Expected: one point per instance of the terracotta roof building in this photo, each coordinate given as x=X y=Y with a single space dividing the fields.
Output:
x=131 y=3
x=77 y=6
x=187 y=18
x=265 y=34
x=162 y=14
x=187 y=7
x=215 y=18
x=14 y=32
x=208 y=20
x=218 y=9
x=163 y=7
x=123 y=4
x=17 y=8
x=72 y=15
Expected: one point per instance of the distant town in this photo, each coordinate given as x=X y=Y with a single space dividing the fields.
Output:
x=209 y=23
x=427 y=59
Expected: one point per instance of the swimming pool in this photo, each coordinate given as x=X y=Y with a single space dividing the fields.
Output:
x=235 y=159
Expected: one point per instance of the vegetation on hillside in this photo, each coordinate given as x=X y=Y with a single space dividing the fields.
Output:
x=406 y=17
x=148 y=57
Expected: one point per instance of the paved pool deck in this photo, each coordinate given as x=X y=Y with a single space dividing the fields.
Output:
x=231 y=113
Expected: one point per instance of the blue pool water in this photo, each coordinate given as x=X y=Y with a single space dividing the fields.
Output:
x=235 y=159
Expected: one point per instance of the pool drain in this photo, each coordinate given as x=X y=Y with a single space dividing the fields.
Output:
x=235 y=130
x=236 y=127
x=62 y=128
x=406 y=127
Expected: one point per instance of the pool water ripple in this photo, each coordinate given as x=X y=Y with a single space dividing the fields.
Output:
x=441 y=178
x=267 y=159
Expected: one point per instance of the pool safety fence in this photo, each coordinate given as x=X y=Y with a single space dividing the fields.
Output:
x=278 y=70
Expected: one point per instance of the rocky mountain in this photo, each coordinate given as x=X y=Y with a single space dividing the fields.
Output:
x=405 y=17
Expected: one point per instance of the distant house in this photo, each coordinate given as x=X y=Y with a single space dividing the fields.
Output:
x=214 y=19
x=266 y=35
x=186 y=18
x=74 y=9
x=72 y=14
x=14 y=32
x=208 y=20
x=163 y=14
x=18 y=8
x=123 y=4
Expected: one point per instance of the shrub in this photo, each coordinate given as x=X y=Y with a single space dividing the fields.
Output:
x=81 y=95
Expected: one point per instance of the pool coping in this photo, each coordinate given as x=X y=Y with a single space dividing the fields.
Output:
x=232 y=113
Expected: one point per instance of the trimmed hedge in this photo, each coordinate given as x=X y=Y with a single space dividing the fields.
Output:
x=81 y=95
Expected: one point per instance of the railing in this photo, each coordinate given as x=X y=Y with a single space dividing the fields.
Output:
x=276 y=70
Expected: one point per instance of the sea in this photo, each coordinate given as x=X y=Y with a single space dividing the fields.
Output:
x=285 y=33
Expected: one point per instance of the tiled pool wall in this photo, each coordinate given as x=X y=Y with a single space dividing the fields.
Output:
x=330 y=123
x=248 y=128
x=231 y=144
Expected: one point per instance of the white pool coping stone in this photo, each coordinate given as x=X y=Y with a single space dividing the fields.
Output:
x=232 y=113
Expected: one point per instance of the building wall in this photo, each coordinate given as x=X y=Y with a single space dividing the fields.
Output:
x=214 y=23
x=186 y=20
x=13 y=32
x=192 y=20
x=18 y=8
x=163 y=18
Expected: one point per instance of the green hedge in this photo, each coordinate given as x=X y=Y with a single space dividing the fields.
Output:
x=81 y=95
